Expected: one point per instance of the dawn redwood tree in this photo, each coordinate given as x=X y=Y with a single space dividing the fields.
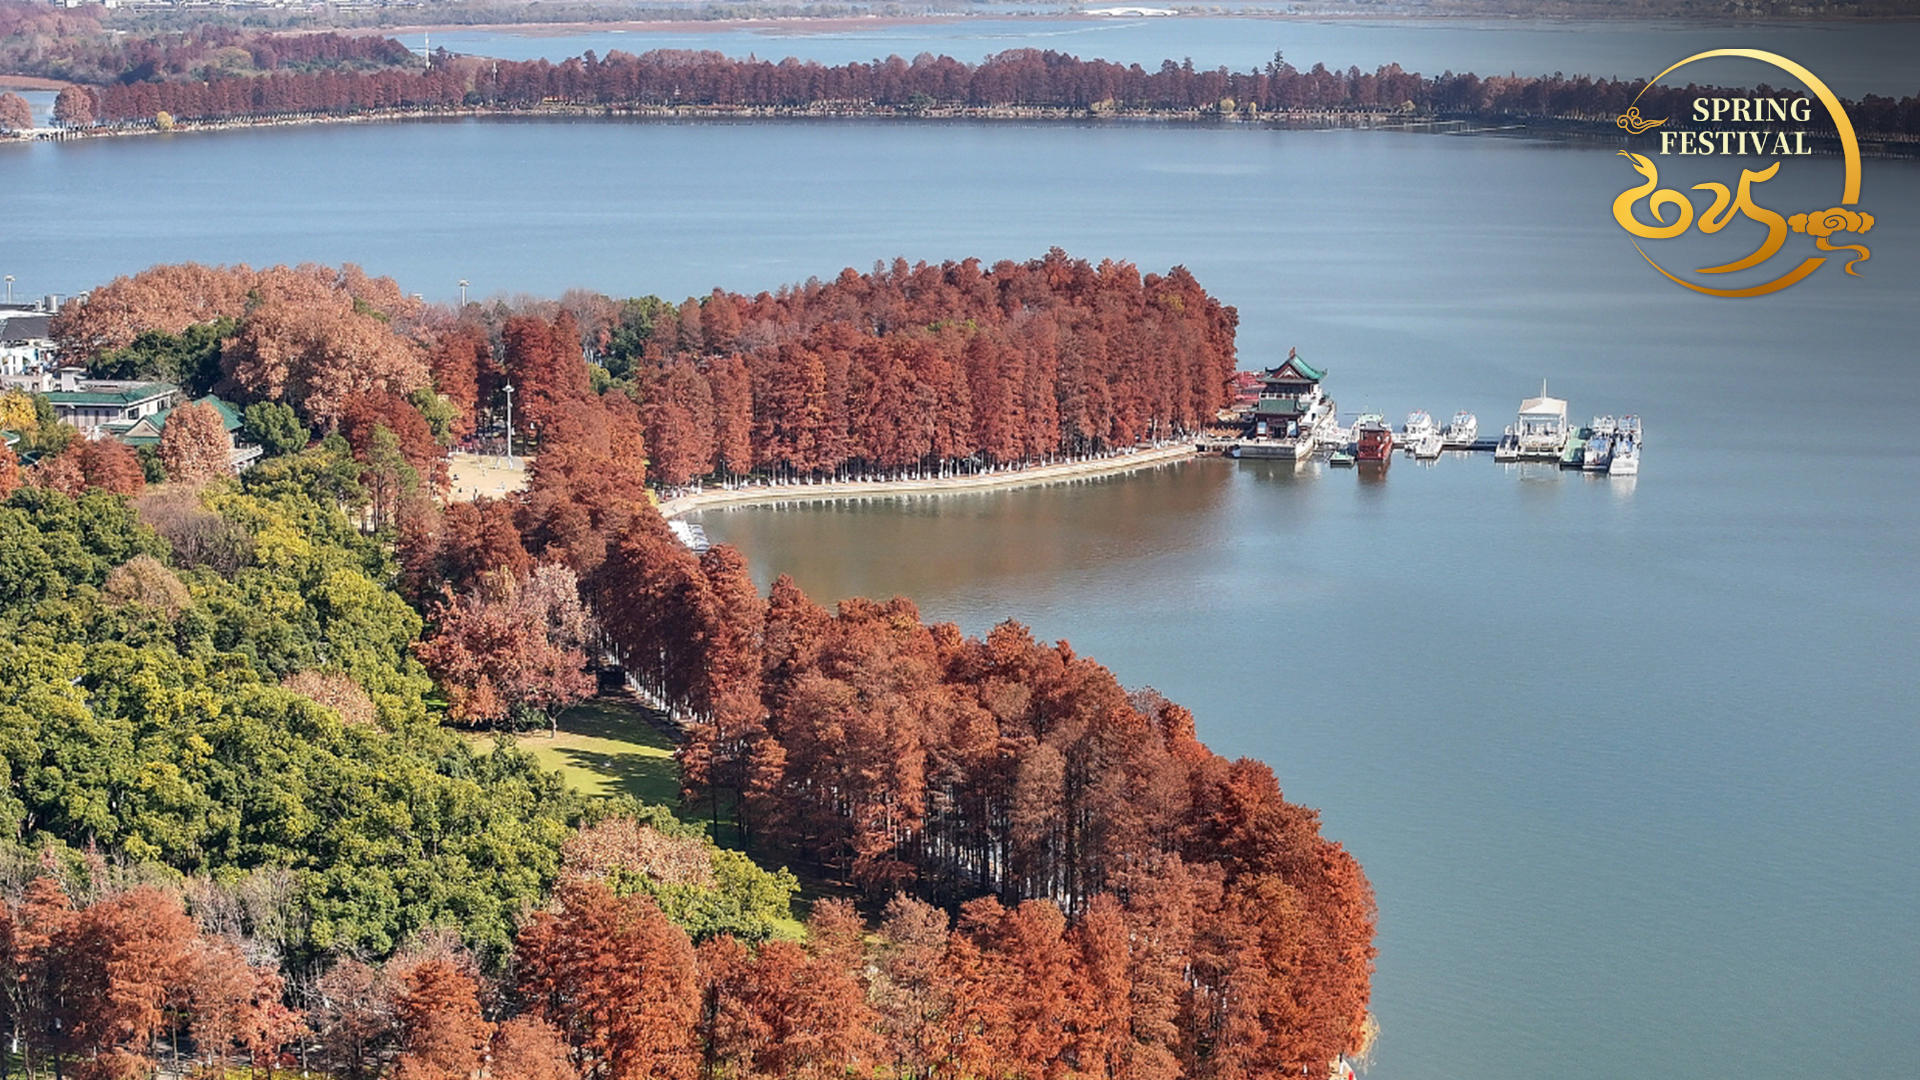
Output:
x=458 y=360
x=73 y=107
x=15 y=113
x=731 y=387
x=443 y=1034
x=526 y=1048
x=119 y=960
x=617 y=979
x=9 y=471
x=508 y=646
x=111 y=465
x=194 y=444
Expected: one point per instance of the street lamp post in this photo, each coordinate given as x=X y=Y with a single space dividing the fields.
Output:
x=9 y=288
x=463 y=292
x=509 y=425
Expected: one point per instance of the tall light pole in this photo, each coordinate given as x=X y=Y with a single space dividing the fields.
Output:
x=9 y=288
x=509 y=425
x=463 y=292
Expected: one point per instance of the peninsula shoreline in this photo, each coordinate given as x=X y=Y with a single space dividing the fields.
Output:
x=761 y=494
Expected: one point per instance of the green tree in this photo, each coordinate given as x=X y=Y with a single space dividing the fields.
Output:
x=274 y=427
x=190 y=358
x=439 y=413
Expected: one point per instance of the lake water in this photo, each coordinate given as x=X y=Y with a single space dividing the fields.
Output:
x=1633 y=766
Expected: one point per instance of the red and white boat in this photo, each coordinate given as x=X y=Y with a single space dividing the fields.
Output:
x=1373 y=439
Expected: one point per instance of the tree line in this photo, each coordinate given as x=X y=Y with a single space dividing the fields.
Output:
x=72 y=44
x=908 y=367
x=1015 y=79
x=1057 y=878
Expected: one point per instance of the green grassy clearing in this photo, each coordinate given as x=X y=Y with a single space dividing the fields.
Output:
x=606 y=746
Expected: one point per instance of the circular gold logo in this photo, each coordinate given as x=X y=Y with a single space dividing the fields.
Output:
x=1727 y=204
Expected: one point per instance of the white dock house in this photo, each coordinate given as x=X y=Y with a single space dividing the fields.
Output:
x=1542 y=425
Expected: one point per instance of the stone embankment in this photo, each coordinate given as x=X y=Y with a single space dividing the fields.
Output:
x=763 y=492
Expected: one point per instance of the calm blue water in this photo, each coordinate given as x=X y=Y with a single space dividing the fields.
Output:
x=1853 y=60
x=1633 y=767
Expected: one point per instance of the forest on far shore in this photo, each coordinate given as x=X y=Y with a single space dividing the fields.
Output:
x=217 y=73
x=241 y=823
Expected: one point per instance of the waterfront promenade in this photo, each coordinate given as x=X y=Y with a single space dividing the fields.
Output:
x=761 y=492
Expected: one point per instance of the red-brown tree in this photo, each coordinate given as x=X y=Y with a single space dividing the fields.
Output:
x=194 y=444
x=617 y=978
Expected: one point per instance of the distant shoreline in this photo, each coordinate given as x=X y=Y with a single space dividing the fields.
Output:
x=760 y=494
x=1872 y=145
x=826 y=24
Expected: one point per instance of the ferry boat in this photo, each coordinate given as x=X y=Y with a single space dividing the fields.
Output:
x=1460 y=434
x=1419 y=425
x=1626 y=457
x=1374 y=439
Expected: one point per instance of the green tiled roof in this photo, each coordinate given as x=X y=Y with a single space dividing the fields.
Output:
x=120 y=398
x=229 y=415
x=1306 y=370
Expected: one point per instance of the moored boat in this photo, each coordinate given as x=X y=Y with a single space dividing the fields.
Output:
x=1373 y=440
x=1419 y=426
x=1340 y=457
x=1427 y=447
x=1599 y=453
x=1462 y=432
x=1626 y=458
x=1509 y=446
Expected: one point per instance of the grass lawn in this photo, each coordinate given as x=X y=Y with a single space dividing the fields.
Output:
x=606 y=746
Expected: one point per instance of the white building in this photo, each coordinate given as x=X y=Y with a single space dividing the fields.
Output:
x=1542 y=425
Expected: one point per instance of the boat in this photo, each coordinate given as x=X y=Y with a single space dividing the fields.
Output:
x=1508 y=448
x=1600 y=447
x=1373 y=439
x=1419 y=425
x=1629 y=427
x=1626 y=458
x=1427 y=447
x=1341 y=457
x=1462 y=432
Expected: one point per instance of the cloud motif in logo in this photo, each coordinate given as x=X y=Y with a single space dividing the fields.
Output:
x=1631 y=121
x=1824 y=223
x=1828 y=222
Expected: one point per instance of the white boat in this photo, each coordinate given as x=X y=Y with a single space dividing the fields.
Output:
x=1626 y=458
x=1419 y=425
x=1600 y=448
x=1509 y=447
x=1428 y=446
x=1604 y=425
x=1461 y=434
x=1629 y=427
